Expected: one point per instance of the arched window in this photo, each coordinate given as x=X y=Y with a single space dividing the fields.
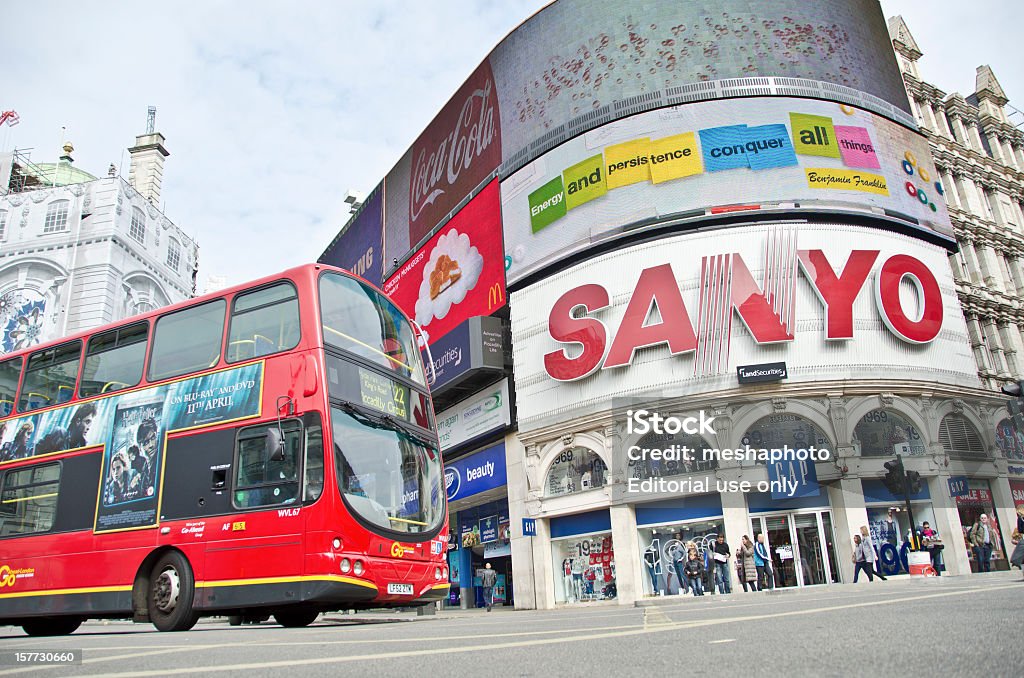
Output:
x=138 y=228
x=173 y=254
x=960 y=439
x=778 y=430
x=879 y=432
x=1010 y=442
x=56 y=216
x=670 y=455
x=575 y=470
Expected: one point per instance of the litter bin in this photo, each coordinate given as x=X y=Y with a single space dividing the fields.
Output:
x=920 y=564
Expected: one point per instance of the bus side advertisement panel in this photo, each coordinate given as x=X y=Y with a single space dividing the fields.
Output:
x=134 y=457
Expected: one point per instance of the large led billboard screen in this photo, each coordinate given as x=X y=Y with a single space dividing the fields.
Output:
x=578 y=64
x=771 y=152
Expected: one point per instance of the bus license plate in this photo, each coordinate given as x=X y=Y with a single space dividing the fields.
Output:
x=400 y=589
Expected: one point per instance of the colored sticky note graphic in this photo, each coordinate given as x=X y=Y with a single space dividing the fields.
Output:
x=846 y=180
x=856 y=147
x=585 y=181
x=723 y=147
x=547 y=204
x=627 y=163
x=813 y=135
x=769 y=146
x=674 y=157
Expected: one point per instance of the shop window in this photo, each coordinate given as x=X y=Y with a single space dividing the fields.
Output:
x=664 y=548
x=1009 y=440
x=584 y=567
x=779 y=430
x=883 y=433
x=676 y=454
x=576 y=470
x=960 y=439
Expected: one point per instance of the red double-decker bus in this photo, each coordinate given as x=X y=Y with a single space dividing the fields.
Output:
x=269 y=449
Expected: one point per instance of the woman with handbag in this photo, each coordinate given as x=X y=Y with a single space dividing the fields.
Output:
x=865 y=537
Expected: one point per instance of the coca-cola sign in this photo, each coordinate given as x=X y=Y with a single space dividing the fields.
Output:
x=455 y=153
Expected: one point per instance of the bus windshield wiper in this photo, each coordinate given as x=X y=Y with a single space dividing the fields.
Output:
x=385 y=422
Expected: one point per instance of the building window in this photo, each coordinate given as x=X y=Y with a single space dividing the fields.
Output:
x=56 y=217
x=3 y=224
x=685 y=454
x=576 y=470
x=960 y=439
x=1010 y=442
x=883 y=433
x=173 y=254
x=138 y=228
x=779 y=430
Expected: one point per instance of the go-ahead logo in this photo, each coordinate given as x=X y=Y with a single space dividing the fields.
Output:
x=10 y=576
x=452 y=482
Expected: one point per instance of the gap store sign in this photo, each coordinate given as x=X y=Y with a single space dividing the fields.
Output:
x=479 y=472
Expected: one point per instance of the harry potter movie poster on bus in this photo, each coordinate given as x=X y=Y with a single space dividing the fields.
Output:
x=131 y=467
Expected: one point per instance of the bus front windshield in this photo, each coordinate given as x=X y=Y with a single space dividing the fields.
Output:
x=387 y=476
x=358 y=319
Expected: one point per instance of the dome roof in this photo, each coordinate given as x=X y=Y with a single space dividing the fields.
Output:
x=66 y=173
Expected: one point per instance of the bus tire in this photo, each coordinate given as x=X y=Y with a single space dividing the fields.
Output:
x=296 y=618
x=235 y=619
x=51 y=626
x=171 y=590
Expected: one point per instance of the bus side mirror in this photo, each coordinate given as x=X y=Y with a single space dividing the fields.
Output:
x=274 y=444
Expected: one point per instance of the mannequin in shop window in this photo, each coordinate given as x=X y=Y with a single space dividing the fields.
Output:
x=651 y=561
x=570 y=593
x=577 y=577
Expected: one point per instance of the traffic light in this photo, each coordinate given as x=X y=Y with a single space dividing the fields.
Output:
x=913 y=482
x=1015 y=406
x=894 y=477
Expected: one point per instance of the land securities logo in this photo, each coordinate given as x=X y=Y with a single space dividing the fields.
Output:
x=720 y=149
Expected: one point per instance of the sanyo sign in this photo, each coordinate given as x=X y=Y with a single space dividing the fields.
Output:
x=727 y=290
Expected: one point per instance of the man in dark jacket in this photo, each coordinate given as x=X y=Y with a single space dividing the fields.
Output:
x=488 y=579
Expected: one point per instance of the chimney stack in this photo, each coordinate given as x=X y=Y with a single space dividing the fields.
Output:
x=147 y=161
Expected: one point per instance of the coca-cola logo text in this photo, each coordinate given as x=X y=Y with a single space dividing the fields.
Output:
x=455 y=153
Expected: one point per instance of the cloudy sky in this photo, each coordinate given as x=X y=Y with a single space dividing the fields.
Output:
x=272 y=112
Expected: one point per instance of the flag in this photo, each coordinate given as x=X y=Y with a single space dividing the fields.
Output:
x=9 y=117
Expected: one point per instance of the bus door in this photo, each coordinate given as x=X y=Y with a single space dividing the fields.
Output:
x=264 y=536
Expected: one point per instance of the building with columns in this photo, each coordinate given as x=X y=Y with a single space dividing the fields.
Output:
x=979 y=154
x=78 y=250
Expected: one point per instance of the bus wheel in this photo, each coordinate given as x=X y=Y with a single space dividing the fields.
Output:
x=296 y=618
x=53 y=626
x=235 y=619
x=171 y=589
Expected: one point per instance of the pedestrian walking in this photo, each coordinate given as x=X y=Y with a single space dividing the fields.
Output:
x=863 y=558
x=721 y=554
x=763 y=564
x=865 y=537
x=488 y=579
x=745 y=559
